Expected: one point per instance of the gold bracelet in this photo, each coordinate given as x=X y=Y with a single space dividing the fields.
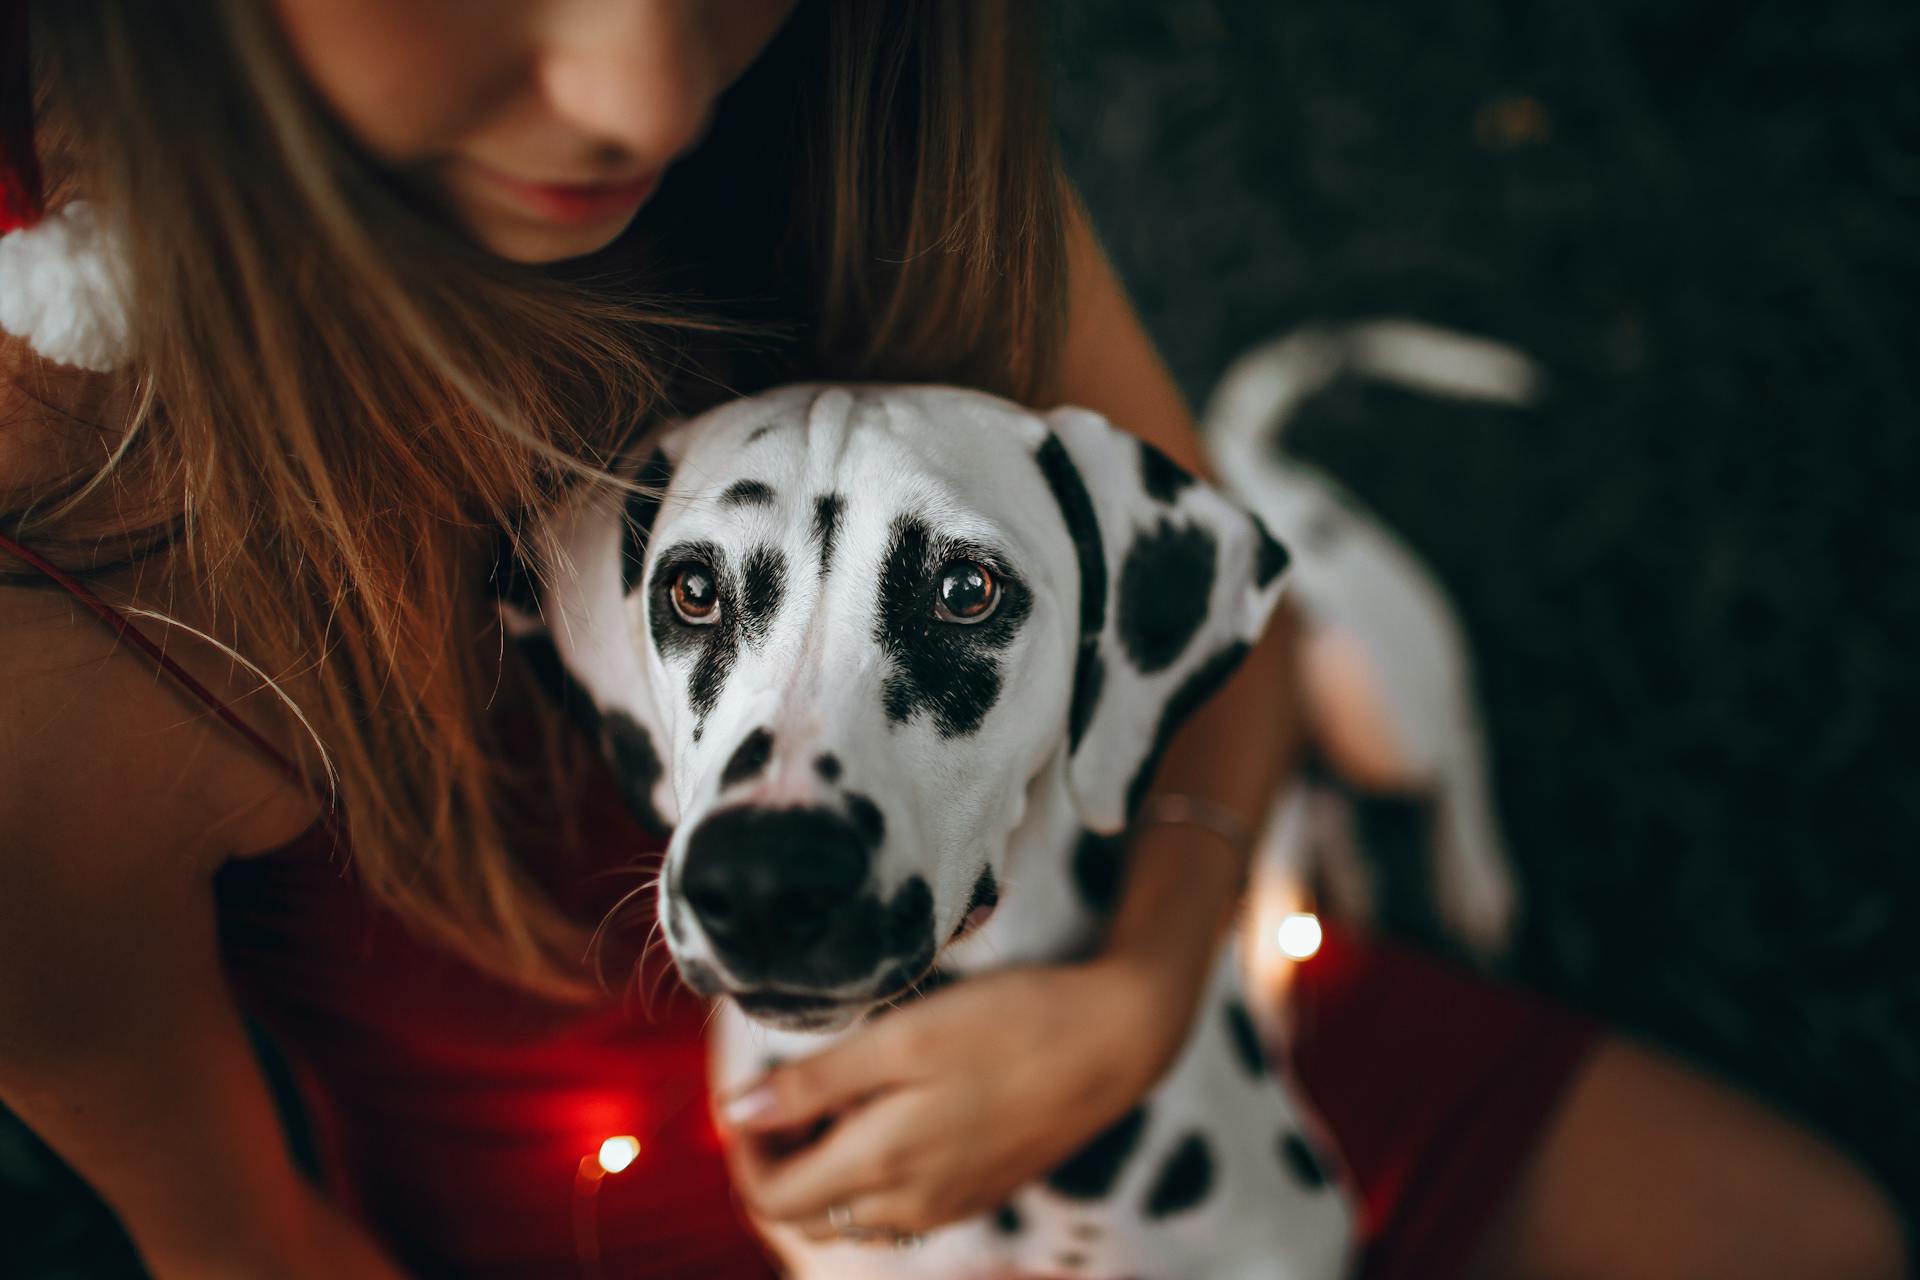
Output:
x=1175 y=809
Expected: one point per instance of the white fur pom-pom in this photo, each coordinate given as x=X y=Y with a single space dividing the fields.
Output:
x=62 y=288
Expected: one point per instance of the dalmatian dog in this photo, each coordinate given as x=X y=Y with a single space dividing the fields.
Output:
x=1383 y=651
x=894 y=665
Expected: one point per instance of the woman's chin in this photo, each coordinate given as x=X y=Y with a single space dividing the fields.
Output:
x=542 y=243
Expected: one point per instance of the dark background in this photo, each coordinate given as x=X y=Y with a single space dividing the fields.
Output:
x=1691 y=579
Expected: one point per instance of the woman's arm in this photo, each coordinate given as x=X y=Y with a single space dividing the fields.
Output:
x=119 y=1044
x=1184 y=880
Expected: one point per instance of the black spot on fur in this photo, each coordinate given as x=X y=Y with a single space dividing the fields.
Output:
x=629 y=748
x=764 y=583
x=867 y=819
x=655 y=475
x=931 y=981
x=986 y=891
x=1246 y=1039
x=985 y=896
x=1272 y=560
x=1165 y=586
x=910 y=918
x=1161 y=476
x=1084 y=1231
x=1301 y=1162
x=1089 y=674
x=948 y=671
x=1071 y=1261
x=763 y=429
x=828 y=767
x=747 y=493
x=551 y=674
x=912 y=907
x=1099 y=865
x=907 y=983
x=1091 y=1172
x=749 y=758
x=1187 y=699
x=1007 y=1220
x=513 y=580
x=1184 y=1180
x=715 y=646
x=1076 y=508
x=827 y=510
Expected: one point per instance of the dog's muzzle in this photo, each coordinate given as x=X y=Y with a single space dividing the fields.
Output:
x=785 y=898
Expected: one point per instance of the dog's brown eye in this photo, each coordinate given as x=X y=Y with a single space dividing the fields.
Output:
x=695 y=598
x=967 y=593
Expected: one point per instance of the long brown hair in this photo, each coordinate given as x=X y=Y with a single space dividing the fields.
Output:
x=339 y=406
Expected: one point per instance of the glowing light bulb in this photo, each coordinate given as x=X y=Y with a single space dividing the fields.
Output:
x=617 y=1153
x=1299 y=935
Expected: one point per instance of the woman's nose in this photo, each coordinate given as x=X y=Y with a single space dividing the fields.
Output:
x=639 y=75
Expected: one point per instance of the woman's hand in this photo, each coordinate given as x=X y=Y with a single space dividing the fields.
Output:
x=940 y=1109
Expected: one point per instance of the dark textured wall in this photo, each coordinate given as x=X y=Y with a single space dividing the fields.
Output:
x=1692 y=579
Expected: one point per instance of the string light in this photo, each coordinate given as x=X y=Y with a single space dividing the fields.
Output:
x=618 y=1152
x=1299 y=935
x=615 y=1154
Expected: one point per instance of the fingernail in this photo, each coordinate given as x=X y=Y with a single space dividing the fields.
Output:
x=748 y=1107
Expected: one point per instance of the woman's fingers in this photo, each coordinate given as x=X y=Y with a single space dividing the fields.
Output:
x=861 y=1154
x=880 y=1219
x=798 y=1094
x=924 y=1118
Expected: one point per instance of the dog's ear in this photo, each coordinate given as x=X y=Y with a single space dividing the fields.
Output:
x=576 y=619
x=1176 y=585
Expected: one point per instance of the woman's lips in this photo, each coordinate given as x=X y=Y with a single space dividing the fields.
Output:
x=575 y=204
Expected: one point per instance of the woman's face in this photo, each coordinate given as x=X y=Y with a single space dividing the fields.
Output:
x=540 y=126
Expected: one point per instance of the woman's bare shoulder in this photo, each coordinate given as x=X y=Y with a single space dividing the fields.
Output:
x=103 y=757
x=98 y=749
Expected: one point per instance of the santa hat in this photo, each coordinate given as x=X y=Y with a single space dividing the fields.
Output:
x=61 y=278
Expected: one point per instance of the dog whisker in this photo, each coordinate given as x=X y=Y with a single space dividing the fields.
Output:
x=646 y=864
x=599 y=930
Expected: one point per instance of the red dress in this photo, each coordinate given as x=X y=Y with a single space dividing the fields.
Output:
x=454 y=1111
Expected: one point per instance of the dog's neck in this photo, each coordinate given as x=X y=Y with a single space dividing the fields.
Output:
x=1042 y=918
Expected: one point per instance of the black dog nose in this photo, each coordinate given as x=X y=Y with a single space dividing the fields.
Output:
x=768 y=885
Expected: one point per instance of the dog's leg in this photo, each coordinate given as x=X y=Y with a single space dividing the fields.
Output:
x=1289 y=871
x=1473 y=886
x=1285 y=856
x=1344 y=872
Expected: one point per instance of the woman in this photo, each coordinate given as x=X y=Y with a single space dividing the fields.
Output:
x=399 y=275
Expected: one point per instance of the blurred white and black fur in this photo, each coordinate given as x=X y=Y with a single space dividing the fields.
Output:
x=1377 y=624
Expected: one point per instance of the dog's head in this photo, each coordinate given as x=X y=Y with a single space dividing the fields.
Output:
x=832 y=657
